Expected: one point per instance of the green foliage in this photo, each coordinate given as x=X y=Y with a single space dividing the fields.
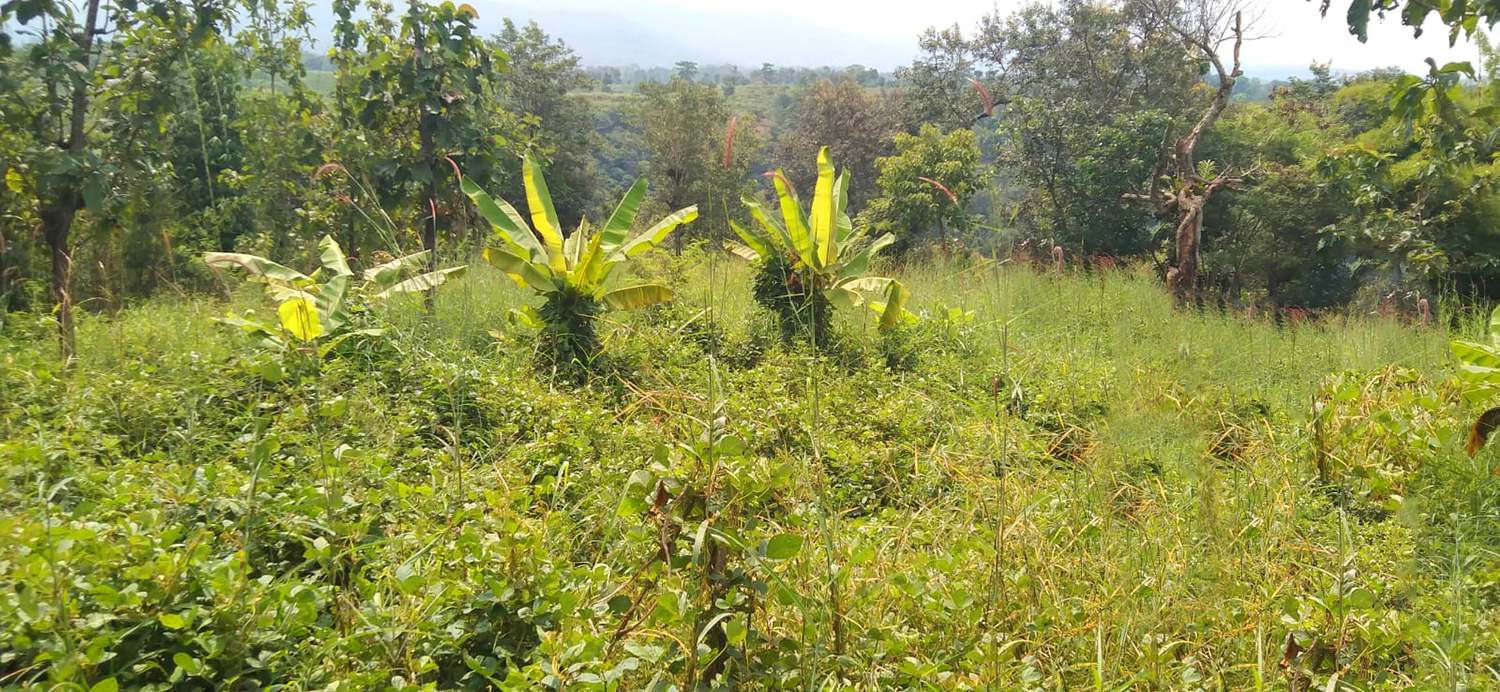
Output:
x=309 y=308
x=1129 y=486
x=854 y=123
x=685 y=131
x=812 y=261
x=540 y=85
x=912 y=209
x=571 y=274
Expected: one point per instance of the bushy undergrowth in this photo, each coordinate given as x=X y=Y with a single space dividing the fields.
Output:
x=1047 y=483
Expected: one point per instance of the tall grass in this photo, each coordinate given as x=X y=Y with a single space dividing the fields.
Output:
x=1142 y=514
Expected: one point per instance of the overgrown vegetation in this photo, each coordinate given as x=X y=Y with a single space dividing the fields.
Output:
x=958 y=468
x=1075 y=487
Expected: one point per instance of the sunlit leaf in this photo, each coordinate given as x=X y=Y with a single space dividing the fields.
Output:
x=299 y=317
x=636 y=296
x=656 y=234
x=333 y=256
x=543 y=215
x=526 y=273
x=423 y=282
x=614 y=231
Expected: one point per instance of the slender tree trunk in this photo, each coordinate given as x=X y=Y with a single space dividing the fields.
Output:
x=58 y=212
x=57 y=223
x=427 y=155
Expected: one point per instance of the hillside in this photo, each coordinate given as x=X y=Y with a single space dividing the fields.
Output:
x=1062 y=481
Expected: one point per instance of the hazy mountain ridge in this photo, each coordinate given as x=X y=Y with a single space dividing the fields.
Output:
x=652 y=36
x=660 y=36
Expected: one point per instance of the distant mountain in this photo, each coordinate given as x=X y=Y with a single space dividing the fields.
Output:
x=659 y=36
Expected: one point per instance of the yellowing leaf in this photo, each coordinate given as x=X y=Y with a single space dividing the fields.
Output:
x=300 y=317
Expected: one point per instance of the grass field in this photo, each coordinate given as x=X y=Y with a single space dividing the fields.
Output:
x=1049 y=483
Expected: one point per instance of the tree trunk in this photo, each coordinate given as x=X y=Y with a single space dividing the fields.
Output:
x=57 y=214
x=57 y=223
x=1189 y=232
x=427 y=156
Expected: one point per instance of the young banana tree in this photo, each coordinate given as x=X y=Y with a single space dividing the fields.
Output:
x=311 y=306
x=814 y=261
x=571 y=273
x=1479 y=371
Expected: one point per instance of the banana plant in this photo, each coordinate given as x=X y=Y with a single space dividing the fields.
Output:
x=310 y=306
x=1479 y=370
x=815 y=260
x=572 y=273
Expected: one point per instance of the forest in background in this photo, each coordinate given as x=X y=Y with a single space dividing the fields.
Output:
x=176 y=130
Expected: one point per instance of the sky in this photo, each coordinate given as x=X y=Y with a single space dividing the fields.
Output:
x=1297 y=34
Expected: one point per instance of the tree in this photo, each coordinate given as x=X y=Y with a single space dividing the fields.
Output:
x=543 y=74
x=936 y=90
x=418 y=90
x=685 y=128
x=925 y=187
x=1089 y=87
x=856 y=125
x=71 y=62
x=1178 y=185
x=571 y=273
x=1462 y=18
x=686 y=70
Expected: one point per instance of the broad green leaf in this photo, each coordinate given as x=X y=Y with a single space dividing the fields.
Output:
x=526 y=316
x=742 y=251
x=526 y=273
x=1359 y=18
x=860 y=262
x=796 y=223
x=187 y=663
x=543 y=216
x=619 y=222
x=333 y=256
x=758 y=244
x=783 y=546
x=1360 y=598
x=422 y=282
x=842 y=297
x=773 y=227
x=256 y=266
x=868 y=284
x=385 y=274
x=172 y=621
x=105 y=685
x=895 y=305
x=636 y=296
x=824 y=212
x=330 y=302
x=1471 y=353
x=510 y=224
x=299 y=317
x=653 y=236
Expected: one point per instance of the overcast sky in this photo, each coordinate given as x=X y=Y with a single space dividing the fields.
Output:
x=1300 y=34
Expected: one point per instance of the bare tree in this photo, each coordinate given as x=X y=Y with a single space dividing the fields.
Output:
x=1177 y=188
